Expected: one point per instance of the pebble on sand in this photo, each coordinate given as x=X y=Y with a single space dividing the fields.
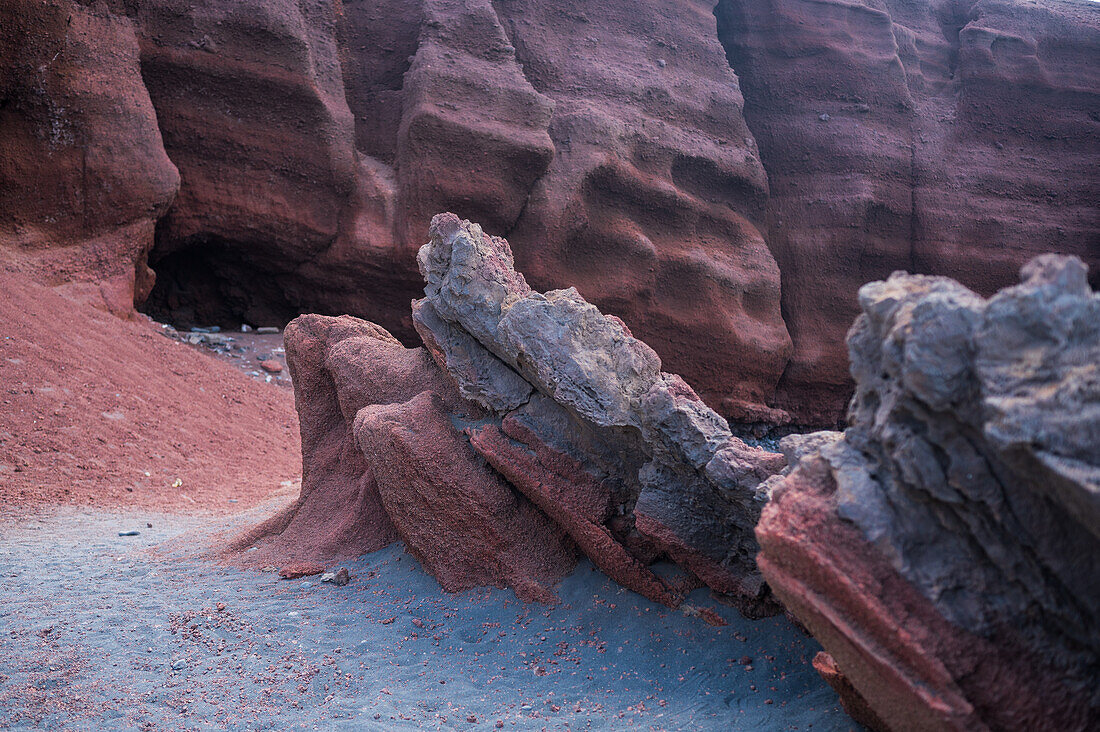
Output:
x=300 y=569
x=339 y=578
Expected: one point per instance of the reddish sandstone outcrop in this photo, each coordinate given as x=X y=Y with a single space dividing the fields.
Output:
x=383 y=460
x=943 y=548
x=527 y=418
x=83 y=174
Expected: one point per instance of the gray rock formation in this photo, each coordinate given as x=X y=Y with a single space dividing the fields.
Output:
x=679 y=482
x=972 y=466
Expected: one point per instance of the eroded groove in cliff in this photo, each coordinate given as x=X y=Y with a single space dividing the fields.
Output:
x=523 y=60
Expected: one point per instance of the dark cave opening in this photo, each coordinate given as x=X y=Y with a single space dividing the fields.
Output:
x=209 y=283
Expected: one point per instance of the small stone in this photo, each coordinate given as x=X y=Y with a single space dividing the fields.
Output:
x=271 y=366
x=339 y=578
x=824 y=117
x=148 y=525
x=178 y=664
x=131 y=532
x=266 y=330
x=300 y=569
x=246 y=328
x=500 y=724
x=661 y=62
x=472 y=718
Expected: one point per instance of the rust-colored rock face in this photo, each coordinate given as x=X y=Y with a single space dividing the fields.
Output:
x=944 y=137
x=721 y=175
x=384 y=459
x=943 y=548
x=83 y=174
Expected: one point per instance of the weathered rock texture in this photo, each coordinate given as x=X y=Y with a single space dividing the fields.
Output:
x=616 y=143
x=948 y=137
x=943 y=548
x=621 y=453
x=83 y=173
x=526 y=418
x=383 y=458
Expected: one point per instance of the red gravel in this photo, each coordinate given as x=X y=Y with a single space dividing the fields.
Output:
x=99 y=411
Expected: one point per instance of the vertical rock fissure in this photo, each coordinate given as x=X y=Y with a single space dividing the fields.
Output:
x=523 y=60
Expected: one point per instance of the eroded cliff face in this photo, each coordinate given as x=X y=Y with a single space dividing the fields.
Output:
x=940 y=137
x=675 y=166
x=83 y=172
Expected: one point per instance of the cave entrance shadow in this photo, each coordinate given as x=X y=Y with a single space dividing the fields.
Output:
x=211 y=282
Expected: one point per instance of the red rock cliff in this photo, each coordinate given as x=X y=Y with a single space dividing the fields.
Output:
x=676 y=165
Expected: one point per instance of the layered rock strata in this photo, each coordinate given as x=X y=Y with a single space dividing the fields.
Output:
x=84 y=176
x=943 y=548
x=945 y=137
x=529 y=426
x=676 y=166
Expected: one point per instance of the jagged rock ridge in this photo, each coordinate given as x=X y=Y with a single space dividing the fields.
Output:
x=529 y=426
x=943 y=548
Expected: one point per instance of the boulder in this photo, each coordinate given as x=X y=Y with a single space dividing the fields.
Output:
x=383 y=459
x=627 y=458
x=529 y=426
x=943 y=548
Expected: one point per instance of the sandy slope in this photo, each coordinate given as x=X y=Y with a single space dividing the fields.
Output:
x=96 y=410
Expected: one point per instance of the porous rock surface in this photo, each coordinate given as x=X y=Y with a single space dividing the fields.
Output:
x=677 y=165
x=530 y=425
x=943 y=547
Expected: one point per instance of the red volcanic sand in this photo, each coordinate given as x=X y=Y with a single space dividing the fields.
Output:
x=102 y=411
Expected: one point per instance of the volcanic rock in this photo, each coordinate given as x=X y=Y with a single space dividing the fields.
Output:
x=384 y=459
x=961 y=140
x=530 y=425
x=297 y=570
x=625 y=457
x=943 y=548
x=83 y=171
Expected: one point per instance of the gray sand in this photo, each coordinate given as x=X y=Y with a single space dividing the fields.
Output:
x=98 y=634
